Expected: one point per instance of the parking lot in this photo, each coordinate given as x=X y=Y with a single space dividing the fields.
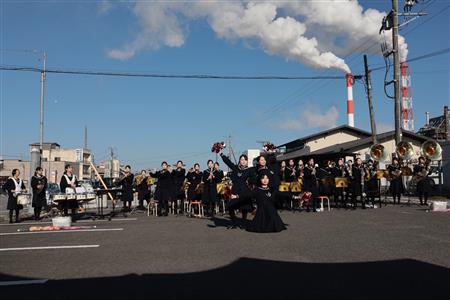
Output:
x=396 y=252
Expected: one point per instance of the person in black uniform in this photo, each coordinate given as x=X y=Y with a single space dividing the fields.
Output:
x=179 y=175
x=267 y=218
x=14 y=186
x=396 y=182
x=194 y=178
x=211 y=177
x=142 y=189
x=357 y=182
x=310 y=182
x=267 y=162
x=39 y=186
x=241 y=177
x=291 y=176
x=420 y=172
x=67 y=185
x=339 y=171
x=371 y=182
x=126 y=181
x=164 y=187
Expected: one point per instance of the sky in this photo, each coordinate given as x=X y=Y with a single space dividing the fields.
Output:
x=148 y=120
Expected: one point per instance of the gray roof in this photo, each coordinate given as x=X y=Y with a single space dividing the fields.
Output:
x=328 y=132
x=346 y=147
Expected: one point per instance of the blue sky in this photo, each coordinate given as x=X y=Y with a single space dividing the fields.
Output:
x=150 y=120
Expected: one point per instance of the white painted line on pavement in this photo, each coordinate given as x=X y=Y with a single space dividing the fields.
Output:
x=62 y=231
x=78 y=222
x=23 y=282
x=50 y=247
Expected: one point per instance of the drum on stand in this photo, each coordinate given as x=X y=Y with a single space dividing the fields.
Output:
x=284 y=187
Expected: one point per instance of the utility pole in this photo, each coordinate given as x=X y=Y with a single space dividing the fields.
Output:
x=369 y=99
x=395 y=50
x=41 y=123
x=391 y=22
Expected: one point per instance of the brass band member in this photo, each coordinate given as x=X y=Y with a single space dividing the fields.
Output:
x=178 y=180
x=142 y=189
x=68 y=184
x=194 y=178
x=310 y=182
x=371 y=181
x=39 y=186
x=211 y=177
x=14 y=186
x=340 y=171
x=241 y=176
x=126 y=181
x=396 y=184
x=300 y=167
x=163 y=192
x=290 y=172
x=357 y=183
x=421 y=171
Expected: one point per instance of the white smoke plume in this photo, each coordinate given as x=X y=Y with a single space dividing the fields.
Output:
x=311 y=117
x=314 y=33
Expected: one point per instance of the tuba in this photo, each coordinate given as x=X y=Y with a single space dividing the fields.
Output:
x=431 y=150
x=404 y=150
x=378 y=152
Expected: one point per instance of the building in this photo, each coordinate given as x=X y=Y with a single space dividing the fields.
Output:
x=345 y=141
x=306 y=146
x=7 y=165
x=437 y=128
x=54 y=159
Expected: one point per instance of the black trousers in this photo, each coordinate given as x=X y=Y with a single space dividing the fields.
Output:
x=17 y=210
x=339 y=197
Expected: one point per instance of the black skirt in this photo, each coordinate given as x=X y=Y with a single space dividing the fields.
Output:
x=266 y=219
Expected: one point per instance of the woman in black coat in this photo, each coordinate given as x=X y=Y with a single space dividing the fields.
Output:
x=179 y=175
x=164 y=187
x=194 y=178
x=39 y=186
x=13 y=186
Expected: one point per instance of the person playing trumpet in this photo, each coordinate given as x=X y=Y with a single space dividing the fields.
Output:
x=371 y=181
x=193 y=179
x=126 y=181
x=164 y=192
x=178 y=176
x=211 y=177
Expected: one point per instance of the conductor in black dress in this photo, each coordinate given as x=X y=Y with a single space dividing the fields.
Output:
x=241 y=176
x=14 y=186
x=266 y=218
x=39 y=186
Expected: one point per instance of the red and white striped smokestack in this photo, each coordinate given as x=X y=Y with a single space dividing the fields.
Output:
x=350 y=111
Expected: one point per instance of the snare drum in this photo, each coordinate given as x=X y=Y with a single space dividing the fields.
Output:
x=296 y=187
x=23 y=199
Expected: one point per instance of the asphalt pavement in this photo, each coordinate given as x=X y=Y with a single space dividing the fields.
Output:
x=393 y=252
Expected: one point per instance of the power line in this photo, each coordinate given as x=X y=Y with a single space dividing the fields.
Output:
x=425 y=56
x=166 y=76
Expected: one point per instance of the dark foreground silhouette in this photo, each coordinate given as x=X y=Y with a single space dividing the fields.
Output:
x=256 y=279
